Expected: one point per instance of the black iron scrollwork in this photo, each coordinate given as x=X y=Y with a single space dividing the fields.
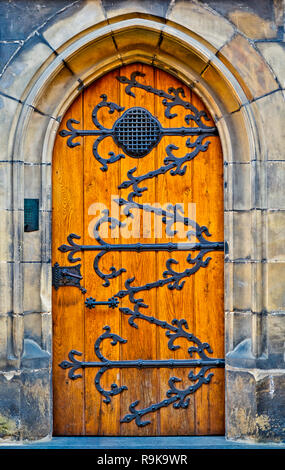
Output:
x=174 y=97
x=176 y=396
x=101 y=132
x=137 y=131
x=171 y=277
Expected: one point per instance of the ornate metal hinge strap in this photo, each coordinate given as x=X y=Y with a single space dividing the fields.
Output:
x=174 y=97
x=137 y=131
x=178 y=397
x=171 y=277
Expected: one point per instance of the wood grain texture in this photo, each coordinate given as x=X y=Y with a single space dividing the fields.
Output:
x=79 y=189
x=68 y=306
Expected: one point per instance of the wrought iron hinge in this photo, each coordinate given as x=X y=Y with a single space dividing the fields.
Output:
x=67 y=276
x=112 y=302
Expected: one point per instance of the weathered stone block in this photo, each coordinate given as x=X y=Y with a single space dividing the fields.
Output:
x=81 y=65
x=33 y=327
x=9 y=112
x=223 y=91
x=46 y=287
x=135 y=38
x=255 y=405
x=35 y=413
x=3 y=341
x=82 y=15
x=245 y=230
x=124 y=7
x=274 y=54
x=262 y=8
x=239 y=186
x=259 y=286
x=32 y=275
x=25 y=405
x=270 y=392
x=276 y=235
x=246 y=62
x=258 y=183
x=47 y=331
x=252 y=25
x=46 y=242
x=34 y=357
x=237 y=126
x=242 y=235
x=228 y=331
x=242 y=286
x=276 y=339
x=6 y=279
x=206 y=23
x=32 y=177
x=240 y=404
x=24 y=66
x=269 y=113
x=32 y=144
x=15 y=343
x=20 y=18
x=275 y=185
x=238 y=329
x=6 y=52
x=5 y=185
x=46 y=202
x=228 y=286
x=241 y=327
x=6 y=235
x=50 y=101
x=32 y=246
x=10 y=405
x=169 y=47
x=276 y=291
x=257 y=227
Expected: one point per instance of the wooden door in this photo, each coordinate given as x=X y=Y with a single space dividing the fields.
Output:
x=138 y=224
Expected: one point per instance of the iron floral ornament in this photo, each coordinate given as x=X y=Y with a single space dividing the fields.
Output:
x=137 y=131
x=177 y=397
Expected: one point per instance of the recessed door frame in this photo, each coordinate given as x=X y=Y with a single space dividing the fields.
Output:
x=71 y=407
x=53 y=89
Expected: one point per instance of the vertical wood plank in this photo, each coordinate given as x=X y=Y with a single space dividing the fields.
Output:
x=99 y=186
x=208 y=282
x=142 y=384
x=172 y=303
x=67 y=302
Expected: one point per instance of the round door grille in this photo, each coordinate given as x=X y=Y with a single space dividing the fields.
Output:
x=137 y=131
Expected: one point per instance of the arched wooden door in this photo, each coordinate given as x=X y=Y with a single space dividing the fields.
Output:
x=138 y=224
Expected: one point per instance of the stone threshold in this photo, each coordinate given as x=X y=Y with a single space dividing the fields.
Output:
x=165 y=442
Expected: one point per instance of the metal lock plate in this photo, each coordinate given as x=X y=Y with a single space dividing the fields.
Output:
x=67 y=276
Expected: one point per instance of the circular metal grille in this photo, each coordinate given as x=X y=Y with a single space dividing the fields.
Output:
x=137 y=132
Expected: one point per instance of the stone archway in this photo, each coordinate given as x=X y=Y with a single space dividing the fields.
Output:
x=56 y=75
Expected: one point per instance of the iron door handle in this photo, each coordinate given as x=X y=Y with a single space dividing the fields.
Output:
x=68 y=273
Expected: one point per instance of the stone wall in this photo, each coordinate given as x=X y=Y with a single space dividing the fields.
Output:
x=233 y=54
